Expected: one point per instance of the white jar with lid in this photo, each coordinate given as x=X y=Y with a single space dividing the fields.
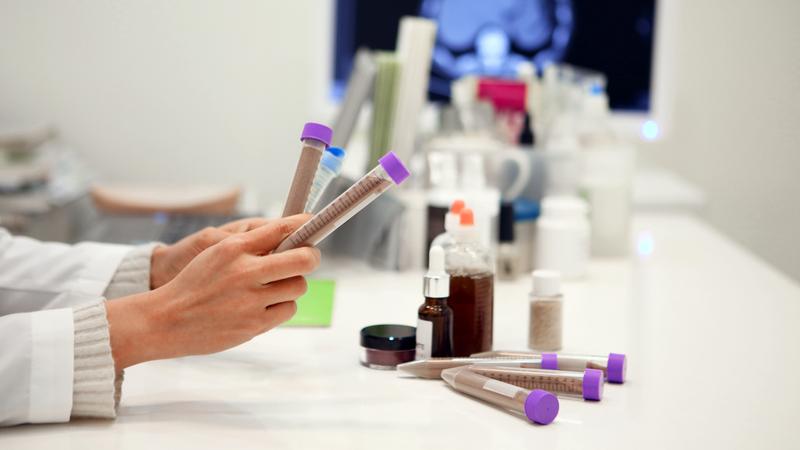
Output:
x=562 y=236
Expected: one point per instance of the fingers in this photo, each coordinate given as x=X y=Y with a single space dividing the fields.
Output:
x=284 y=290
x=244 y=225
x=275 y=315
x=265 y=238
x=298 y=261
x=206 y=238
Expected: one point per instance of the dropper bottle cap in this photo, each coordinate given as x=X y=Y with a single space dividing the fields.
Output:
x=451 y=218
x=437 y=282
x=466 y=228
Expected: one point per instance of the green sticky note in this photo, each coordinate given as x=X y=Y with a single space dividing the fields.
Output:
x=315 y=308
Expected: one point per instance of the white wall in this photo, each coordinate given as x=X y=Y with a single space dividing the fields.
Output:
x=734 y=124
x=185 y=91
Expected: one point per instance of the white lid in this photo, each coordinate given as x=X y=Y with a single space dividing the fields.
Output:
x=564 y=206
x=546 y=283
x=450 y=222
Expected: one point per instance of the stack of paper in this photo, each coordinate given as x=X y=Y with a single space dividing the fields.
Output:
x=383 y=106
x=414 y=49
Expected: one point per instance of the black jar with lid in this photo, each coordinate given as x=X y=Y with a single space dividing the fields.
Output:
x=385 y=346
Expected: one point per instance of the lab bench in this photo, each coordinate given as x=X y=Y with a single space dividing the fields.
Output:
x=711 y=333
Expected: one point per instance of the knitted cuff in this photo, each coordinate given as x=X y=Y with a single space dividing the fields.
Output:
x=95 y=389
x=133 y=274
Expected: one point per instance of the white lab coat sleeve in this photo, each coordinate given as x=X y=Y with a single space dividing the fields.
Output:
x=36 y=367
x=36 y=361
x=38 y=275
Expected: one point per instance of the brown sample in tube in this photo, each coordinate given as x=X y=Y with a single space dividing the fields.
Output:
x=330 y=217
x=301 y=183
x=567 y=382
x=389 y=171
x=588 y=384
x=315 y=138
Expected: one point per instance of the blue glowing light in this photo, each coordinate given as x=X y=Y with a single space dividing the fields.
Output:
x=645 y=244
x=650 y=130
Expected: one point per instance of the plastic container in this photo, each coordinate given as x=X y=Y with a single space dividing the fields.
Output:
x=329 y=168
x=315 y=138
x=537 y=405
x=526 y=212
x=607 y=184
x=508 y=264
x=383 y=347
x=562 y=236
x=469 y=265
x=451 y=218
x=615 y=365
x=587 y=385
x=389 y=172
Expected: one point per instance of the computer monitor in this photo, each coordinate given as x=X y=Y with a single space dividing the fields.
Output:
x=491 y=37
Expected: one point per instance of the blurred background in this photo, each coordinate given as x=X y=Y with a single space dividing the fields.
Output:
x=142 y=99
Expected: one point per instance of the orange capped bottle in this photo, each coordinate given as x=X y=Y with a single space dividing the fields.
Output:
x=471 y=288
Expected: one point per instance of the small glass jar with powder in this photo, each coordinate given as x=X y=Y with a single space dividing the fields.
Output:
x=383 y=347
x=546 y=306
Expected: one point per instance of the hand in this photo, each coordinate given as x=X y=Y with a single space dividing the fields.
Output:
x=230 y=293
x=168 y=260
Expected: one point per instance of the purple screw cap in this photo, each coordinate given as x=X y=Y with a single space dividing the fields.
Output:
x=593 y=380
x=541 y=406
x=550 y=361
x=617 y=366
x=317 y=131
x=394 y=167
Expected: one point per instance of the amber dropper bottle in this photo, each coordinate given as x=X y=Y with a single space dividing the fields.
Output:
x=434 y=317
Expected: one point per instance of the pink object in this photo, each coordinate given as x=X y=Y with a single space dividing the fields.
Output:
x=505 y=95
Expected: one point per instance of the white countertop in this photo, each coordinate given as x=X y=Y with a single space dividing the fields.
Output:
x=711 y=333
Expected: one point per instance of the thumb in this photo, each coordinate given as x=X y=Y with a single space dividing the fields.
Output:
x=265 y=238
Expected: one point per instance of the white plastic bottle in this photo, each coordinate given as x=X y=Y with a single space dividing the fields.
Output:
x=607 y=165
x=445 y=239
x=562 y=236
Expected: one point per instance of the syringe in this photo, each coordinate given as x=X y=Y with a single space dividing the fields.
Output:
x=537 y=405
x=329 y=167
x=614 y=365
x=587 y=385
x=389 y=171
x=315 y=138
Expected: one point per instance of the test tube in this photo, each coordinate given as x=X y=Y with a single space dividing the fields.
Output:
x=315 y=138
x=329 y=167
x=587 y=385
x=390 y=170
x=432 y=368
x=614 y=365
x=537 y=405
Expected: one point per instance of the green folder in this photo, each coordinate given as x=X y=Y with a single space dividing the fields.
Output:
x=383 y=104
x=315 y=308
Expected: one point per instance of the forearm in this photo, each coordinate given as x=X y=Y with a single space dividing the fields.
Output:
x=134 y=331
